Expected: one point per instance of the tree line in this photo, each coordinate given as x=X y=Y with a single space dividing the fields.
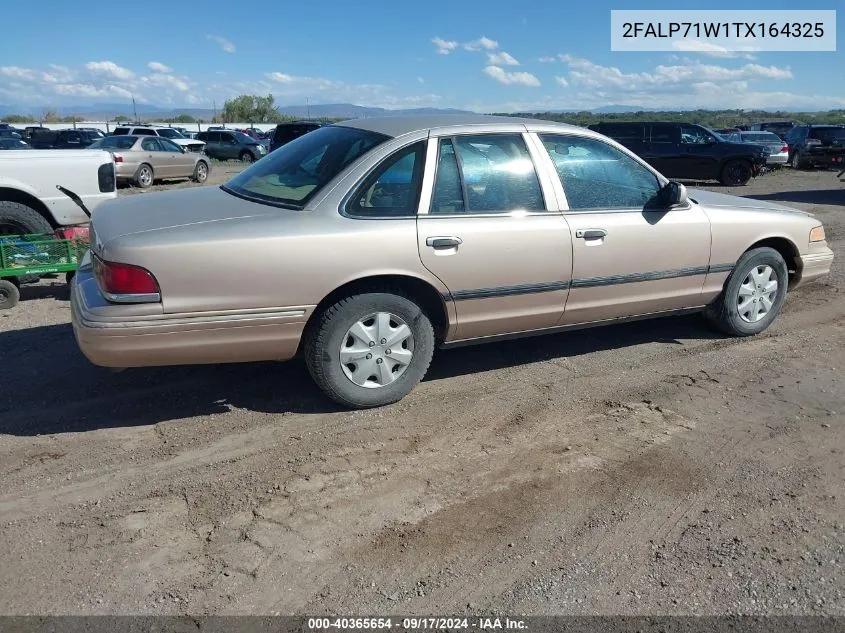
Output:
x=710 y=118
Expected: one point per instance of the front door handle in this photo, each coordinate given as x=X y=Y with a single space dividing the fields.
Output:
x=443 y=241
x=591 y=234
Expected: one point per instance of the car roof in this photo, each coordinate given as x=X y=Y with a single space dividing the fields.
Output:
x=400 y=125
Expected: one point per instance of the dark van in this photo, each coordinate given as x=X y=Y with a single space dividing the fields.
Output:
x=286 y=132
x=688 y=151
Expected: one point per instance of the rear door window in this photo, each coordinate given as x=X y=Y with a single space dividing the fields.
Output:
x=393 y=189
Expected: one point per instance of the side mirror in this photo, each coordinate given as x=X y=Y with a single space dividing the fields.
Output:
x=674 y=194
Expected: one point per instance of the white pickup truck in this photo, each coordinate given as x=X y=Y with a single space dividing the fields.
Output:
x=43 y=190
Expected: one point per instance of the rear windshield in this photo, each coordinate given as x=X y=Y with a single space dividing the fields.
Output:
x=828 y=133
x=761 y=136
x=295 y=172
x=121 y=130
x=167 y=132
x=114 y=142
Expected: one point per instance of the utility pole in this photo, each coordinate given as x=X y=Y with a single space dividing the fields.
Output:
x=134 y=109
x=307 y=110
x=214 y=119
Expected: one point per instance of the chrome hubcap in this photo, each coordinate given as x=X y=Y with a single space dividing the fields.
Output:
x=146 y=177
x=201 y=172
x=376 y=350
x=757 y=294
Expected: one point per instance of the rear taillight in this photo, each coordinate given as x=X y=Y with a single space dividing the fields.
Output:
x=72 y=232
x=125 y=283
x=784 y=149
x=106 y=178
x=118 y=158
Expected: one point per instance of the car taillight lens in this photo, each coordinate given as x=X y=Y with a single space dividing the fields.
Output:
x=785 y=148
x=120 y=280
x=72 y=232
x=118 y=158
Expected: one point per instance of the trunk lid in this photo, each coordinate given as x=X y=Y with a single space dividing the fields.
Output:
x=160 y=211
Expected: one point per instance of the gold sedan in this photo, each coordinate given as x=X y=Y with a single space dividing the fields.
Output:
x=143 y=160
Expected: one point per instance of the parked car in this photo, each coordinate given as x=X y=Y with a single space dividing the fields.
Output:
x=688 y=151
x=45 y=138
x=192 y=145
x=7 y=142
x=94 y=131
x=286 y=132
x=224 y=145
x=781 y=128
x=7 y=129
x=816 y=146
x=776 y=146
x=486 y=228
x=143 y=160
x=725 y=131
x=29 y=199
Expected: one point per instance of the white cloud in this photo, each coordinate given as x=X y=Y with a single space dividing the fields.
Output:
x=161 y=80
x=547 y=60
x=444 y=47
x=109 y=68
x=158 y=67
x=89 y=90
x=561 y=81
x=504 y=77
x=420 y=80
x=225 y=44
x=297 y=88
x=708 y=48
x=482 y=43
x=16 y=71
x=501 y=59
x=589 y=74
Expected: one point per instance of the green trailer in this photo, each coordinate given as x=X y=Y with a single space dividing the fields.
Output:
x=27 y=256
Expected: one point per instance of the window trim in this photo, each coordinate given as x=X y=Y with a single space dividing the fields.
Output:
x=343 y=207
x=558 y=183
x=546 y=187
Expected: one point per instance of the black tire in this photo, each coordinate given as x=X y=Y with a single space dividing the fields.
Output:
x=145 y=176
x=247 y=157
x=19 y=219
x=200 y=173
x=9 y=294
x=323 y=343
x=724 y=314
x=735 y=173
x=69 y=276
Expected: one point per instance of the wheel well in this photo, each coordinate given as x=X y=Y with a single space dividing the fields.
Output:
x=787 y=250
x=16 y=195
x=421 y=292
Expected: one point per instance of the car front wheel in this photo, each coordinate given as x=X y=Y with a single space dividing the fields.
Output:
x=735 y=173
x=370 y=350
x=753 y=294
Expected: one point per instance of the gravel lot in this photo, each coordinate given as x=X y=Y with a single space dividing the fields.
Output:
x=640 y=469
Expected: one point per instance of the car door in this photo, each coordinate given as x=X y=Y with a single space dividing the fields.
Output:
x=182 y=164
x=155 y=156
x=665 y=150
x=629 y=256
x=489 y=236
x=228 y=145
x=699 y=156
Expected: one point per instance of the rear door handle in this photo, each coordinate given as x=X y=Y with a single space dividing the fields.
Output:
x=443 y=241
x=590 y=234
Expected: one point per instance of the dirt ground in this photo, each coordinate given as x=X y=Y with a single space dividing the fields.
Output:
x=650 y=468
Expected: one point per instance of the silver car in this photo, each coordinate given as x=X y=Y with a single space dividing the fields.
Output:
x=364 y=246
x=775 y=145
x=143 y=160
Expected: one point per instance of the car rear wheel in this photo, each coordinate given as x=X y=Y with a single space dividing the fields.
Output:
x=247 y=157
x=144 y=176
x=9 y=294
x=370 y=350
x=735 y=173
x=201 y=172
x=753 y=295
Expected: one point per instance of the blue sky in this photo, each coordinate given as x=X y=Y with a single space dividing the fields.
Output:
x=486 y=56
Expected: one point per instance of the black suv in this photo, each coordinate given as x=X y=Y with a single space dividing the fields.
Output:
x=815 y=145
x=781 y=128
x=688 y=151
x=286 y=132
